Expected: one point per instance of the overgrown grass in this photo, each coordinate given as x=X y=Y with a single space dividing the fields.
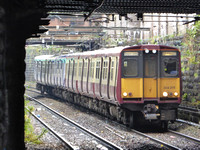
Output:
x=30 y=136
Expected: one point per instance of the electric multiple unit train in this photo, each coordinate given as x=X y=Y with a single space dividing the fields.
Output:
x=135 y=85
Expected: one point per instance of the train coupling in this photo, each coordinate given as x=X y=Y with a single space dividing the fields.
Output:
x=150 y=112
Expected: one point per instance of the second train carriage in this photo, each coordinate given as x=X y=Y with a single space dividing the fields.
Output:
x=142 y=82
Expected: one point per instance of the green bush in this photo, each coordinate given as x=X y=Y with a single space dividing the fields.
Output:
x=30 y=136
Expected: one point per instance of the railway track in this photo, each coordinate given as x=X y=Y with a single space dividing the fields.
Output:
x=189 y=108
x=33 y=89
x=101 y=140
x=162 y=142
x=188 y=122
x=176 y=142
x=160 y=138
x=65 y=142
x=185 y=136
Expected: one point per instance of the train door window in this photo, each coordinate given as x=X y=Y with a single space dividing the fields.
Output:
x=98 y=69
x=58 y=66
x=92 y=73
x=112 y=70
x=43 y=70
x=116 y=71
x=71 y=67
x=91 y=69
x=105 y=70
x=40 y=75
x=66 y=67
x=35 y=70
x=50 y=68
x=67 y=72
x=80 y=68
x=75 y=69
x=52 y=71
x=85 y=68
x=150 y=68
x=130 y=67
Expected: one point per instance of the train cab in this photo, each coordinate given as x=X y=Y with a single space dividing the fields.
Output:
x=150 y=77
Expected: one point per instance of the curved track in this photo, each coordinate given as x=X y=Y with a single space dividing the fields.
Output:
x=100 y=139
x=185 y=136
x=67 y=144
x=168 y=134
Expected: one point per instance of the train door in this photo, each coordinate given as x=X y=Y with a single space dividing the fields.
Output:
x=71 y=71
x=105 y=78
x=150 y=74
x=67 y=74
x=85 y=76
x=75 y=75
x=113 y=77
x=80 y=72
x=91 y=76
x=98 y=70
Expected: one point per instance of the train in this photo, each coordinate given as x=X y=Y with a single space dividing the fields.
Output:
x=135 y=85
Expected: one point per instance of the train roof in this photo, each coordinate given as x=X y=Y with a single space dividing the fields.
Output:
x=104 y=52
x=149 y=46
x=43 y=57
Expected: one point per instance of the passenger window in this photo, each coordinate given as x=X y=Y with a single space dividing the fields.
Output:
x=170 y=67
x=130 y=67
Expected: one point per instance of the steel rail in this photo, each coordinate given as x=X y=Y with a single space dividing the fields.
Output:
x=52 y=131
x=188 y=122
x=100 y=139
x=189 y=108
x=185 y=136
x=156 y=140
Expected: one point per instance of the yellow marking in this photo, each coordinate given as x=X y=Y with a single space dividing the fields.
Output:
x=169 y=85
x=132 y=85
x=150 y=88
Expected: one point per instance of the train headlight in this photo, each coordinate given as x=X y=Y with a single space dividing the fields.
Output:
x=154 y=51
x=125 y=94
x=165 y=94
x=176 y=94
x=146 y=50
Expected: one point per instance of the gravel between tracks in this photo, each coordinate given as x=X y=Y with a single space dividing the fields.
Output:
x=105 y=128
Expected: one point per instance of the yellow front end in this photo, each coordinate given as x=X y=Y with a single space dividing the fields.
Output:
x=169 y=87
x=150 y=88
x=131 y=87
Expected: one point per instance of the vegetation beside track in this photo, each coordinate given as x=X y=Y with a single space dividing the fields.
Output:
x=30 y=135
